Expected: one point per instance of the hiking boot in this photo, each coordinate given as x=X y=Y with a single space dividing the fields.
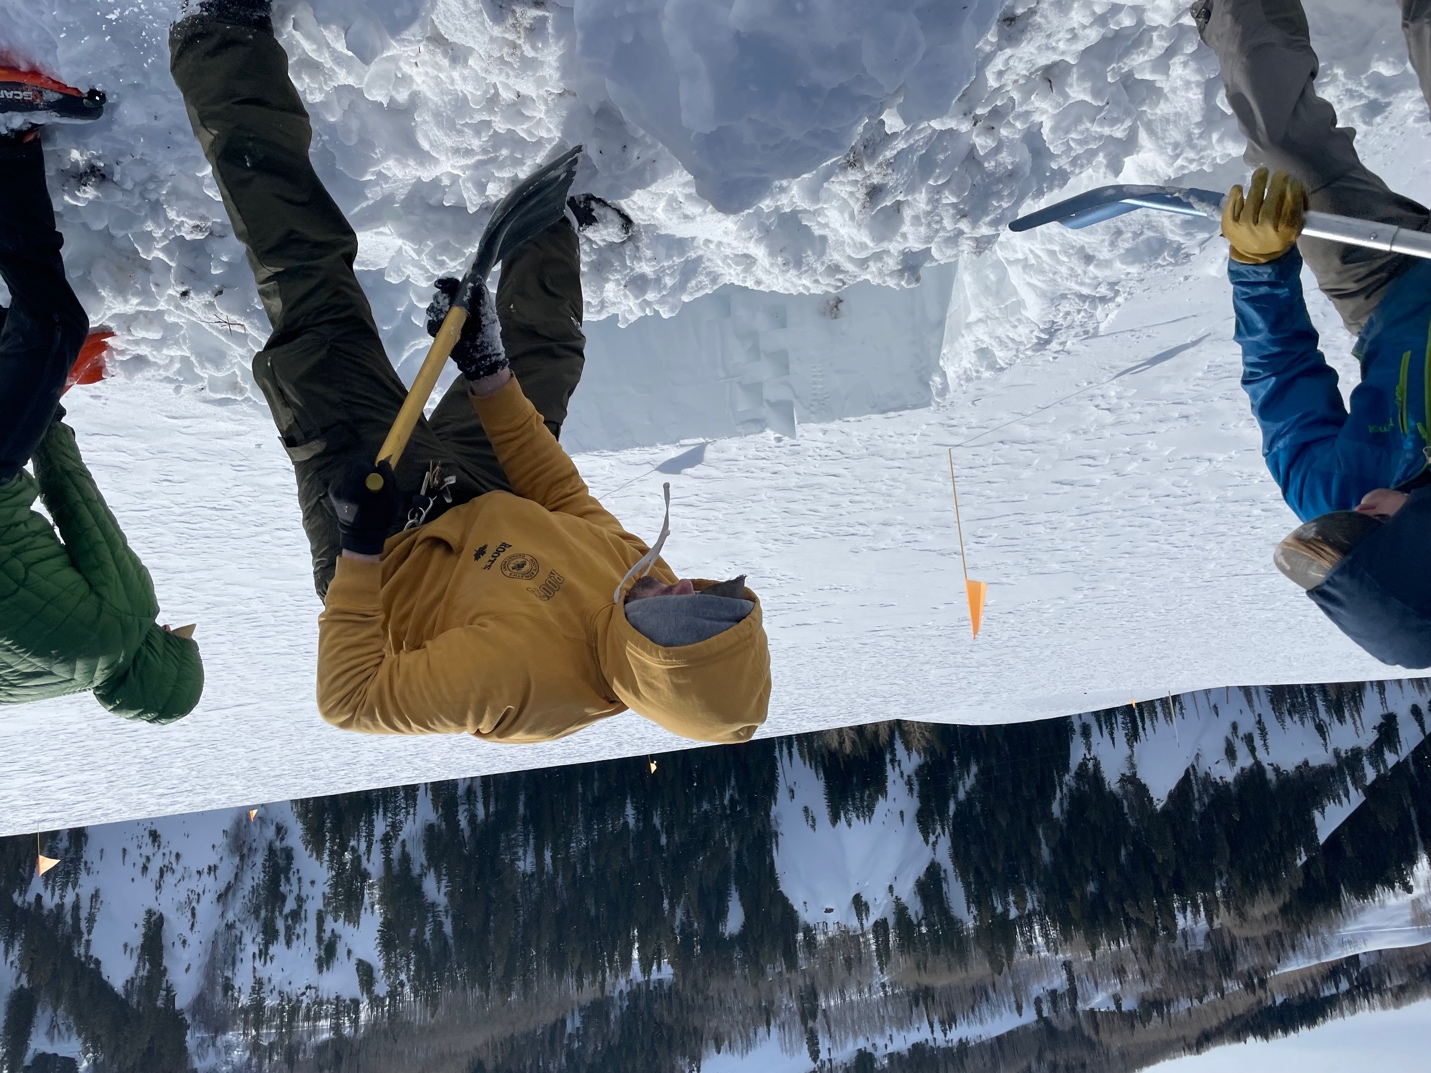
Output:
x=255 y=14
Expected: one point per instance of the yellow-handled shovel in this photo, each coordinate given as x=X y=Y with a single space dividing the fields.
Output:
x=536 y=203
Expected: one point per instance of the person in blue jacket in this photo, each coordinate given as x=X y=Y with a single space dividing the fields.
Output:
x=1358 y=475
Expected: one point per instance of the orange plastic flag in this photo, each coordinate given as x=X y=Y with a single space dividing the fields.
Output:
x=975 y=591
x=89 y=367
x=46 y=863
x=251 y=814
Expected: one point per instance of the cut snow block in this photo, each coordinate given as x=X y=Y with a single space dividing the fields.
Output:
x=975 y=590
x=780 y=417
x=46 y=863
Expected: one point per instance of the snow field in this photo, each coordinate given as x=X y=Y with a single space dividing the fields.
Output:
x=1113 y=499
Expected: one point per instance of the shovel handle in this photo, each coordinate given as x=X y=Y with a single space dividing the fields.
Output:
x=421 y=389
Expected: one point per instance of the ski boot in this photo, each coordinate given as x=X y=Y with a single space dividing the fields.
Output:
x=30 y=94
x=599 y=220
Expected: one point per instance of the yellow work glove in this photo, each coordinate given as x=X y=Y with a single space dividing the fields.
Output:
x=1265 y=224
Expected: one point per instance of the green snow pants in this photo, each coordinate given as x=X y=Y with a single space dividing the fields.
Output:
x=329 y=384
x=1268 y=71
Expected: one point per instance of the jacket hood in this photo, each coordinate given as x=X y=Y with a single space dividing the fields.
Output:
x=716 y=690
x=160 y=684
x=1379 y=595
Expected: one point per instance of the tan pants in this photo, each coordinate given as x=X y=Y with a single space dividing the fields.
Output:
x=1268 y=72
x=331 y=389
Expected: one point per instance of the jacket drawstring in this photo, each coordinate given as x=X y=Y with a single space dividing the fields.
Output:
x=649 y=559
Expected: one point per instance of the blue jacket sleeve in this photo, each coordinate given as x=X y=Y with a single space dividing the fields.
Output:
x=1293 y=390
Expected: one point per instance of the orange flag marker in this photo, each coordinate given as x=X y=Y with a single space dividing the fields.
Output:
x=974 y=590
x=89 y=367
x=251 y=814
x=46 y=863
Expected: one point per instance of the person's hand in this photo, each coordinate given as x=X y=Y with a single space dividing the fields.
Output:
x=445 y=291
x=1264 y=225
x=365 y=514
x=478 y=353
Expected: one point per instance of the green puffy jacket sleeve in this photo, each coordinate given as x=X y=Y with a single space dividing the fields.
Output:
x=77 y=608
x=56 y=635
x=91 y=535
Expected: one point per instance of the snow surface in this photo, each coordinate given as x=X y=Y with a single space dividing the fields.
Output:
x=1112 y=490
x=823 y=866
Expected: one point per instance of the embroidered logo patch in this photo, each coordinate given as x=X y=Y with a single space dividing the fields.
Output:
x=520 y=566
x=492 y=559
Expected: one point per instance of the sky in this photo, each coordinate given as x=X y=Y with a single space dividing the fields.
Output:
x=1393 y=1041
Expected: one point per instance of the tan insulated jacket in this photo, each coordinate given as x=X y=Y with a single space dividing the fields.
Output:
x=497 y=619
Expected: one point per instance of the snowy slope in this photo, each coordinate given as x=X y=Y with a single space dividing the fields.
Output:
x=220 y=879
x=1109 y=474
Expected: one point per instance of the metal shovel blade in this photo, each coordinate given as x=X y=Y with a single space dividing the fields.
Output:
x=1106 y=202
x=532 y=206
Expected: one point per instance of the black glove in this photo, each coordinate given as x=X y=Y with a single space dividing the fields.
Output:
x=441 y=303
x=365 y=517
x=478 y=352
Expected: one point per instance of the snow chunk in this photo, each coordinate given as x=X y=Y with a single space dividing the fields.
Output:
x=747 y=92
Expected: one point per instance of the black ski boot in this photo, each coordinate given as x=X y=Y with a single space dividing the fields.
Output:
x=35 y=95
x=257 y=14
x=606 y=224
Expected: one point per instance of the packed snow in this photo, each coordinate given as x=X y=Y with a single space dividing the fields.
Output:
x=843 y=306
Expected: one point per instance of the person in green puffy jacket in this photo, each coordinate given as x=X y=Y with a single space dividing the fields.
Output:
x=77 y=607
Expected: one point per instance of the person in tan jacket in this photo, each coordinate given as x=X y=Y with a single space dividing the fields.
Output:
x=510 y=605
x=515 y=616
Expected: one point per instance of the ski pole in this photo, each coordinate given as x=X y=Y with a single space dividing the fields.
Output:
x=536 y=203
x=1107 y=202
